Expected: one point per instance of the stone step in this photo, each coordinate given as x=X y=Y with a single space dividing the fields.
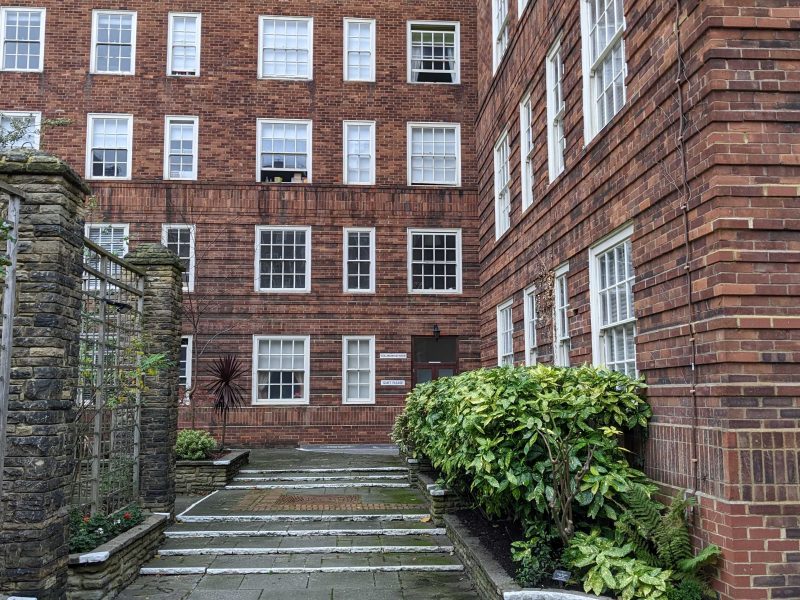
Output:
x=306 y=517
x=301 y=563
x=299 y=478
x=322 y=544
x=347 y=470
x=317 y=486
x=301 y=529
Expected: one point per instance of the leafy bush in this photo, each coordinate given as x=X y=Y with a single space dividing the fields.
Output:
x=529 y=443
x=88 y=532
x=542 y=445
x=194 y=444
x=610 y=567
x=536 y=556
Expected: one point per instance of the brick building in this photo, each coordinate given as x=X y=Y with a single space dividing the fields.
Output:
x=447 y=185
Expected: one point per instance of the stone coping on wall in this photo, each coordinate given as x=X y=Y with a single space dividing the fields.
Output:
x=490 y=578
x=230 y=458
x=103 y=553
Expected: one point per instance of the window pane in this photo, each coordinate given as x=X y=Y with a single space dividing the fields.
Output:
x=434 y=155
x=433 y=54
x=286 y=48
x=434 y=262
x=281 y=373
x=283 y=263
x=109 y=146
x=23 y=36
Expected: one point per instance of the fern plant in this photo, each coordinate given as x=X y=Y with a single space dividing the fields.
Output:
x=660 y=536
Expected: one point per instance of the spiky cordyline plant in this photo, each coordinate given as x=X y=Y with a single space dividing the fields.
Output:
x=228 y=394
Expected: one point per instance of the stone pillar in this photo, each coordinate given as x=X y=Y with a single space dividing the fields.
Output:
x=161 y=326
x=44 y=376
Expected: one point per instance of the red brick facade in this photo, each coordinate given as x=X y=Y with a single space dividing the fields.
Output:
x=226 y=204
x=727 y=428
x=737 y=442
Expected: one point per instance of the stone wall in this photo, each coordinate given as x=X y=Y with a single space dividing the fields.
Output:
x=161 y=318
x=205 y=476
x=44 y=375
x=40 y=440
x=104 y=572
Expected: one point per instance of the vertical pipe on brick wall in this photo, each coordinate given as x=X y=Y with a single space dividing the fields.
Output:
x=686 y=189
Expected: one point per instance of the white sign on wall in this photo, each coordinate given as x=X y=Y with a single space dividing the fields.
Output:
x=393 y=383
x=394 y=355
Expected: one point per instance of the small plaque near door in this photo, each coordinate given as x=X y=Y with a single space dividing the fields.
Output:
x=393 y=383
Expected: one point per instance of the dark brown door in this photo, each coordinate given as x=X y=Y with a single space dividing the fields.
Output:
x=434 y=357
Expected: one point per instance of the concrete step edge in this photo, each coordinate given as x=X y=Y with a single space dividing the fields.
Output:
x=297 y=570
x=306 y=550
x=433 y=531
x=303 y=518
x=314 y=486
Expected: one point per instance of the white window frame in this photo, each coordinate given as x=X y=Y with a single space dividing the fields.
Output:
x=261 y=21
x=561 y=343
x=591 y=127
x=189 y=357
x=3 y=15
x=371 y=340
x=310 y=152
x=502 y=189
x=372 y=269
x=457 y=33
x=306 y=367
x=521 y=6
x=259 y=229
x=168 y=120
x=373 y=48
x=555 y=114
x=345 y=126
x=410 y=127
x=37 y=123
x=124 y=226
x=89 y=134
x=531 y=316
x=411 y=232
x=170 y=25
x=504 y=353
x=500 y=31
x=93 y=51
x=619 y=236
x=165 y=227
x=527 y=155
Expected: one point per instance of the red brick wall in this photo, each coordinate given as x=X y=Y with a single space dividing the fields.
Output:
x=741 y=105
x=226 y=203
x=225 y=218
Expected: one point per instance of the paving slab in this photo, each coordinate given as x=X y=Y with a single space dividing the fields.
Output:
x=368 y=540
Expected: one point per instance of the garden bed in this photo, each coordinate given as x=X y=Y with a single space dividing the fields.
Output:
x=484 y=548
x=106 y=570
x=205 y=476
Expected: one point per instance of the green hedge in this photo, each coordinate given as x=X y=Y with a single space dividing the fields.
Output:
x=542 y=446
x=483 y=431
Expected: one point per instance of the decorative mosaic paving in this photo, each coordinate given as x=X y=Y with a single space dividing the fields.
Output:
x=266 y=500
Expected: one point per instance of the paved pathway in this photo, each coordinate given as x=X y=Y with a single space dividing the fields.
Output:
x=296 y=525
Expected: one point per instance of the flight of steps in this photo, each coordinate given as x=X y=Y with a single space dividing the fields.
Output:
x=228 y=542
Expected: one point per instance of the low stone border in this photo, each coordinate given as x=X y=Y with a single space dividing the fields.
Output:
x=440 y=499
x=105 y=571
x=490 y=578
x=205 y=476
